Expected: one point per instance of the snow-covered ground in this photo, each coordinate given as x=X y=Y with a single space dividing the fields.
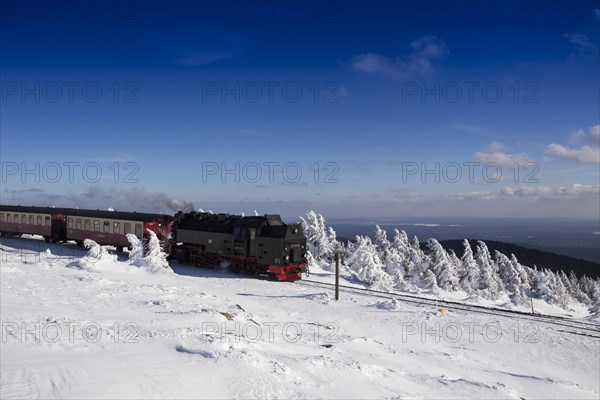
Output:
x=109 y=329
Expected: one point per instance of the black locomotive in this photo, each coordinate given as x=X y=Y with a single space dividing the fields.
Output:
x=256 y=244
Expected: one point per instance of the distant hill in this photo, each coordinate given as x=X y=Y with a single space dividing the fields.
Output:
x=530 y=257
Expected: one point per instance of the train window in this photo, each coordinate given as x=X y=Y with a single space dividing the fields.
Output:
x=9 y=218
x=38 y=220
x=2 y=217
x=31 y=220
x=16 y=218
x=96 y=225
x=78 y=223
x=88 y=225
x=47 y=219
x=116 y=227
x=126 y=228
x=70 y=222
x=23 y=218
x=106 y=227
x=138 y=230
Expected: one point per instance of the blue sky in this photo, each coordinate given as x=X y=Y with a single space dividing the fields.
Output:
x=360 y=97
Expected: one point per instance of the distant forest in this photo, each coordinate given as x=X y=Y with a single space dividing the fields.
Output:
x=530 y=257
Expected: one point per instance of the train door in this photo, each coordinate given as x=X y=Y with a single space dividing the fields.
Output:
x=57 y=227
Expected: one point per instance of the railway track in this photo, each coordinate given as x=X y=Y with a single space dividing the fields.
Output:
x=560 y=324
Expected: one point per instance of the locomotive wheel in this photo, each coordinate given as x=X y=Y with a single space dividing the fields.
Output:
x=119 y=249
x=47 y=239
x=79 y=243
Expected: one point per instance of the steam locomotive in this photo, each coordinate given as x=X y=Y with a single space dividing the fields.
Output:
x=252 y=245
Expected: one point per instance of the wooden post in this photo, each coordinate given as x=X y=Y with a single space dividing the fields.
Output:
x=337 y=276
x=532 y=310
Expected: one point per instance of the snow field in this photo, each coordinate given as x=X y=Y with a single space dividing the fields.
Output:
x=197 y=333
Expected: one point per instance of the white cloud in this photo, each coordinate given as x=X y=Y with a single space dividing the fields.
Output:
x=418 y=62
x=582 y=44
x=496 y=153
x=596 y=12
x=586 y=154
x=575 y=201
x=544 y=191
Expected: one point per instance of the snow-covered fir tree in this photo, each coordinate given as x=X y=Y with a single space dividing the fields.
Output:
x=321 y=242
x=430 y=282
x=576 y=290
x=595 y=301
x=522 y=271
x=469 y=270
x=490 y=283
x=558 y=291
x=136 y=254
x=155 y=258
x=419 y=262
x=365 y=264
x=511 y=279
x=445 y=272
x=382 y=244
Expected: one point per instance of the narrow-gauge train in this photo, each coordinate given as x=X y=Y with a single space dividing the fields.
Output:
x=64 y=224
x=44 y=221
x=112 y=227
x=253 y=245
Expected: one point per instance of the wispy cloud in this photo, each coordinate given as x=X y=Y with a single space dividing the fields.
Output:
x=586 y=154
x=496 y=153
x=418 y=62
x=204 y=59
x=575 y=200
x=573 y=190
x=583 y=45
x=31 y=190
x=473 y=129
x=293 y=184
